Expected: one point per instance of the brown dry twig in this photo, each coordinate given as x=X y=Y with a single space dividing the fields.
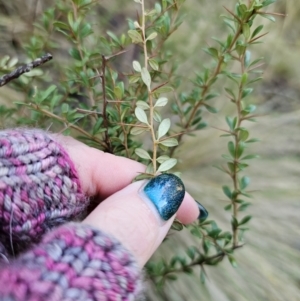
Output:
x=25 y=68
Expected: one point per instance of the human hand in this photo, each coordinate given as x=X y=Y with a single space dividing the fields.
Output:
x=124 y=213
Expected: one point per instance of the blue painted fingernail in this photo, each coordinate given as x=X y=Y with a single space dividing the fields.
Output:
x=203 y=212
x=166 y=192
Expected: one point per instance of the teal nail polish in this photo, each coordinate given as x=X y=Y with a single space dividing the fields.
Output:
x=166 y=192
x=203 y=212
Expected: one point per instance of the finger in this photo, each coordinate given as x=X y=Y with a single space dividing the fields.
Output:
x=131 y=217
x=103 y=174
x=100 y=173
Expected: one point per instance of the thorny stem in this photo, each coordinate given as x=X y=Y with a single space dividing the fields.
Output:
x=151 y=114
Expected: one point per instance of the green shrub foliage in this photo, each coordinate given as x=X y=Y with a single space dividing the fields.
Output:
x=138 y=108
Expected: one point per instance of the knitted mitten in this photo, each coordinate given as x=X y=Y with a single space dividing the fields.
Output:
x=73 y=262
x=39 y=188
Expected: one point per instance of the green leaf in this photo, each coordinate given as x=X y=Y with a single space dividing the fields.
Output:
x=118 y=92
x=162 y=159
x=65 y=108
x=211 y=95
x=12 y=62
x=201 y=126
x=247 y=60
x=142 y=153
x=134 y=78
x=230 y=92
x=230 y=166
x=97 y=125
x=211 y=109
x=246 y=30
x=141 y=115
x=202 y=276
x=246 y=92
x=137 y=131
x=228 y=207
x=75 y=54
x=269 y=17
x=136 y=66
x=161 y=102
x=249 y=157
x=240 y=149
x=244 y=134
x=149 y=169
x=156 y=116
x=177 y=226
x=142 y=104
x=231 y=122
x=257 y=31
x=245 y=220
x=244 y=182
x=231 y=148
x=167 y=165
x=244 y=206
x=227 y=192
x=146 y=78
x=268 y=2
x=249 y=109
x=232 y=261
x=46 y=94
x=164 y=128
x=152 y=36
x=212 y=52
x=154 y=64
x=170 y=142
x=164 y=89
x=135 y=36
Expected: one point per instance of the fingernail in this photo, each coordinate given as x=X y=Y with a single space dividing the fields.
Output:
x=166 y=192
x=203 y=212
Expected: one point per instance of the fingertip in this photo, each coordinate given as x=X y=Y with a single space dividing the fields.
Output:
x=188 y=212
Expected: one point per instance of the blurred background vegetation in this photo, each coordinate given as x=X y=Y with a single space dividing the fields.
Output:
x=268 y=266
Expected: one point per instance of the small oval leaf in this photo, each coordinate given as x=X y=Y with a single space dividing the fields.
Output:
x=161 y=102
x=142 y=104
x=170 y=142
x=164 y=127
x=141 y=115
x=167 y=165
x=146 y=78
x=136 y=66
x=152 y=36
x=142 y=153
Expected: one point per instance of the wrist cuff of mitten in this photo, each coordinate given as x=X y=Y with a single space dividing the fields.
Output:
x=74 y=262
x=39 y=186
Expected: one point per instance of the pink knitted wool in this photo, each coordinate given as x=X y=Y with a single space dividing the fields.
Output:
x=73 y=262
x=39 y=188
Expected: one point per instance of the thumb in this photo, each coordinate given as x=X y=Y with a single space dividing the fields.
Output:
x=141 y=214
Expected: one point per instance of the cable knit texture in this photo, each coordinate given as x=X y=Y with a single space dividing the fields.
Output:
x=73 y=262
x=39 y=188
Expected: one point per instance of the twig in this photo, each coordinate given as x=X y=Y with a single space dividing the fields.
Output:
x=104 y=113
x=25 y=68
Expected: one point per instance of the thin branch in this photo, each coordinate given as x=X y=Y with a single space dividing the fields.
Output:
x=71 y=125
x=104 y=107
x=25 y=68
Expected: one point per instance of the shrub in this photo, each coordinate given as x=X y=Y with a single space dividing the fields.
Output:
x=138 y=107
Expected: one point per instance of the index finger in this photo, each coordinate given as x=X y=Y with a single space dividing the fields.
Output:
x=103 y=174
